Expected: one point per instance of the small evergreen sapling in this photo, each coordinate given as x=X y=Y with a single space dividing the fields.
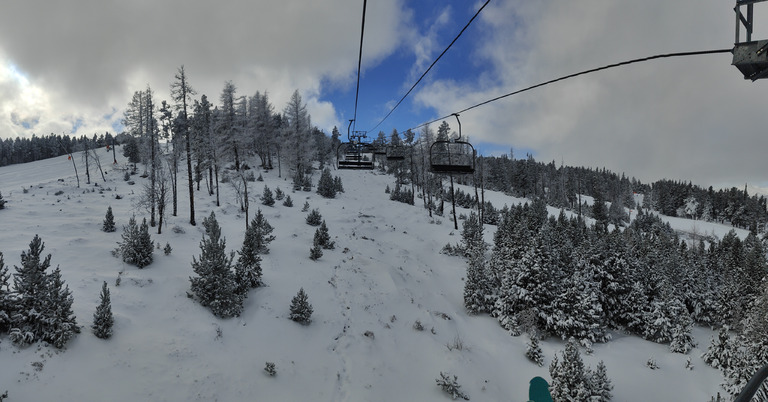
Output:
x=451 y=386
x=279 y=194
x=102 y=318
x=216 y=286
x=267 y=198
x=167 y=249
x=137 y=246
x=109 y=221
x=288 y=202
x=270 y=369
x=323 y=238
x=305 y=208
x=314 y=218
x=325 y=186
x=533 y=351
x=301 y=310
x=317 y=250
x=337 y=184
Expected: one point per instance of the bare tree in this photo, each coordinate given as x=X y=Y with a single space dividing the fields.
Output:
x=182 y=92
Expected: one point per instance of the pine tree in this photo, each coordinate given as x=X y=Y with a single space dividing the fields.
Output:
x=301 y=310
x=248 y=267
x=718 y=354
x=305 y=208
x=338 y=185
x=322 y=237
x=325 y=186
x=314 y=218
x=279 y=194
x=109 y=221
x=216 y=286
x=6 y=303
x=267 y=198
x=288 y=202
x=569 y=380
x=43 y=301
x=600 y=385
x=533 y=351
x=476 y=286
x=137 y=246
x=317 y=250
x=2 y=201
x=102 y=318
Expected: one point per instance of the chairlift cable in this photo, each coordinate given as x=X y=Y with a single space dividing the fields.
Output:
x=431 y=65
x=359 y=62
x=623 y=63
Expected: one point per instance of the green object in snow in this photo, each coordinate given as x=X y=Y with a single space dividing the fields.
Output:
x=539 y=390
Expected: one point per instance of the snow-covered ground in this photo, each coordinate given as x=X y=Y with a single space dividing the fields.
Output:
x=385 y=273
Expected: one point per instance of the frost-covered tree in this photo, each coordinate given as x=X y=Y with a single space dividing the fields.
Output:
x=102 y=318
x=6 y=302
x=248 y=266
x=719 y=352
x=215 y=285
x=109 y=221
x=314 y=218
x=43 y=301
x=288 y=201
x=338 y=185
x=322 y=238
x=326 y=186
x=533 y=351
x=182 y=93
x=317 y=250
x=301 y=310
x=600 y=385
x=451 y=386
x=267 y=198
x=476 y=286
x=137 y=246
x=569 y=376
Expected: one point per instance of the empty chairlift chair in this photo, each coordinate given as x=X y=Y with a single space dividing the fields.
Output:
x=452 y=156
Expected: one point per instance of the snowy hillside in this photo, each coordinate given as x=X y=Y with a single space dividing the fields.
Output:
x=385 y=274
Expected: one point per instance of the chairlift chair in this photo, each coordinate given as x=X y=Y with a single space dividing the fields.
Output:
x=750 y=56
x=452 y=156
x=357 y=154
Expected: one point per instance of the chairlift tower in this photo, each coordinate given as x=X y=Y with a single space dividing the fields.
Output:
x=749 y=56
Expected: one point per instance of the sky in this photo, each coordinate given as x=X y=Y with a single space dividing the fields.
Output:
x=72 y=66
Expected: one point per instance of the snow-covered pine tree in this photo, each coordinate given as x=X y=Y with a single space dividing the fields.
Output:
x=60 y=317
x=569 y=381
x=301 y=310
x=314 y=218
x=338 y=185
x=2 y=201
x=6 y=303
x=325 y=186
x=288 y=201
x=102 y=318
x=718 y=354
x=137 y=246
x=262 y=233
x=248 y=266
x=600 y=385
x=267 y=198
x=279 y=194
x=109 y=221
x=323 y=238
x=317 y=250
x=216 y=286
x=43 y=302
x=476 y=286
x=533 y=351
x=451 y=386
